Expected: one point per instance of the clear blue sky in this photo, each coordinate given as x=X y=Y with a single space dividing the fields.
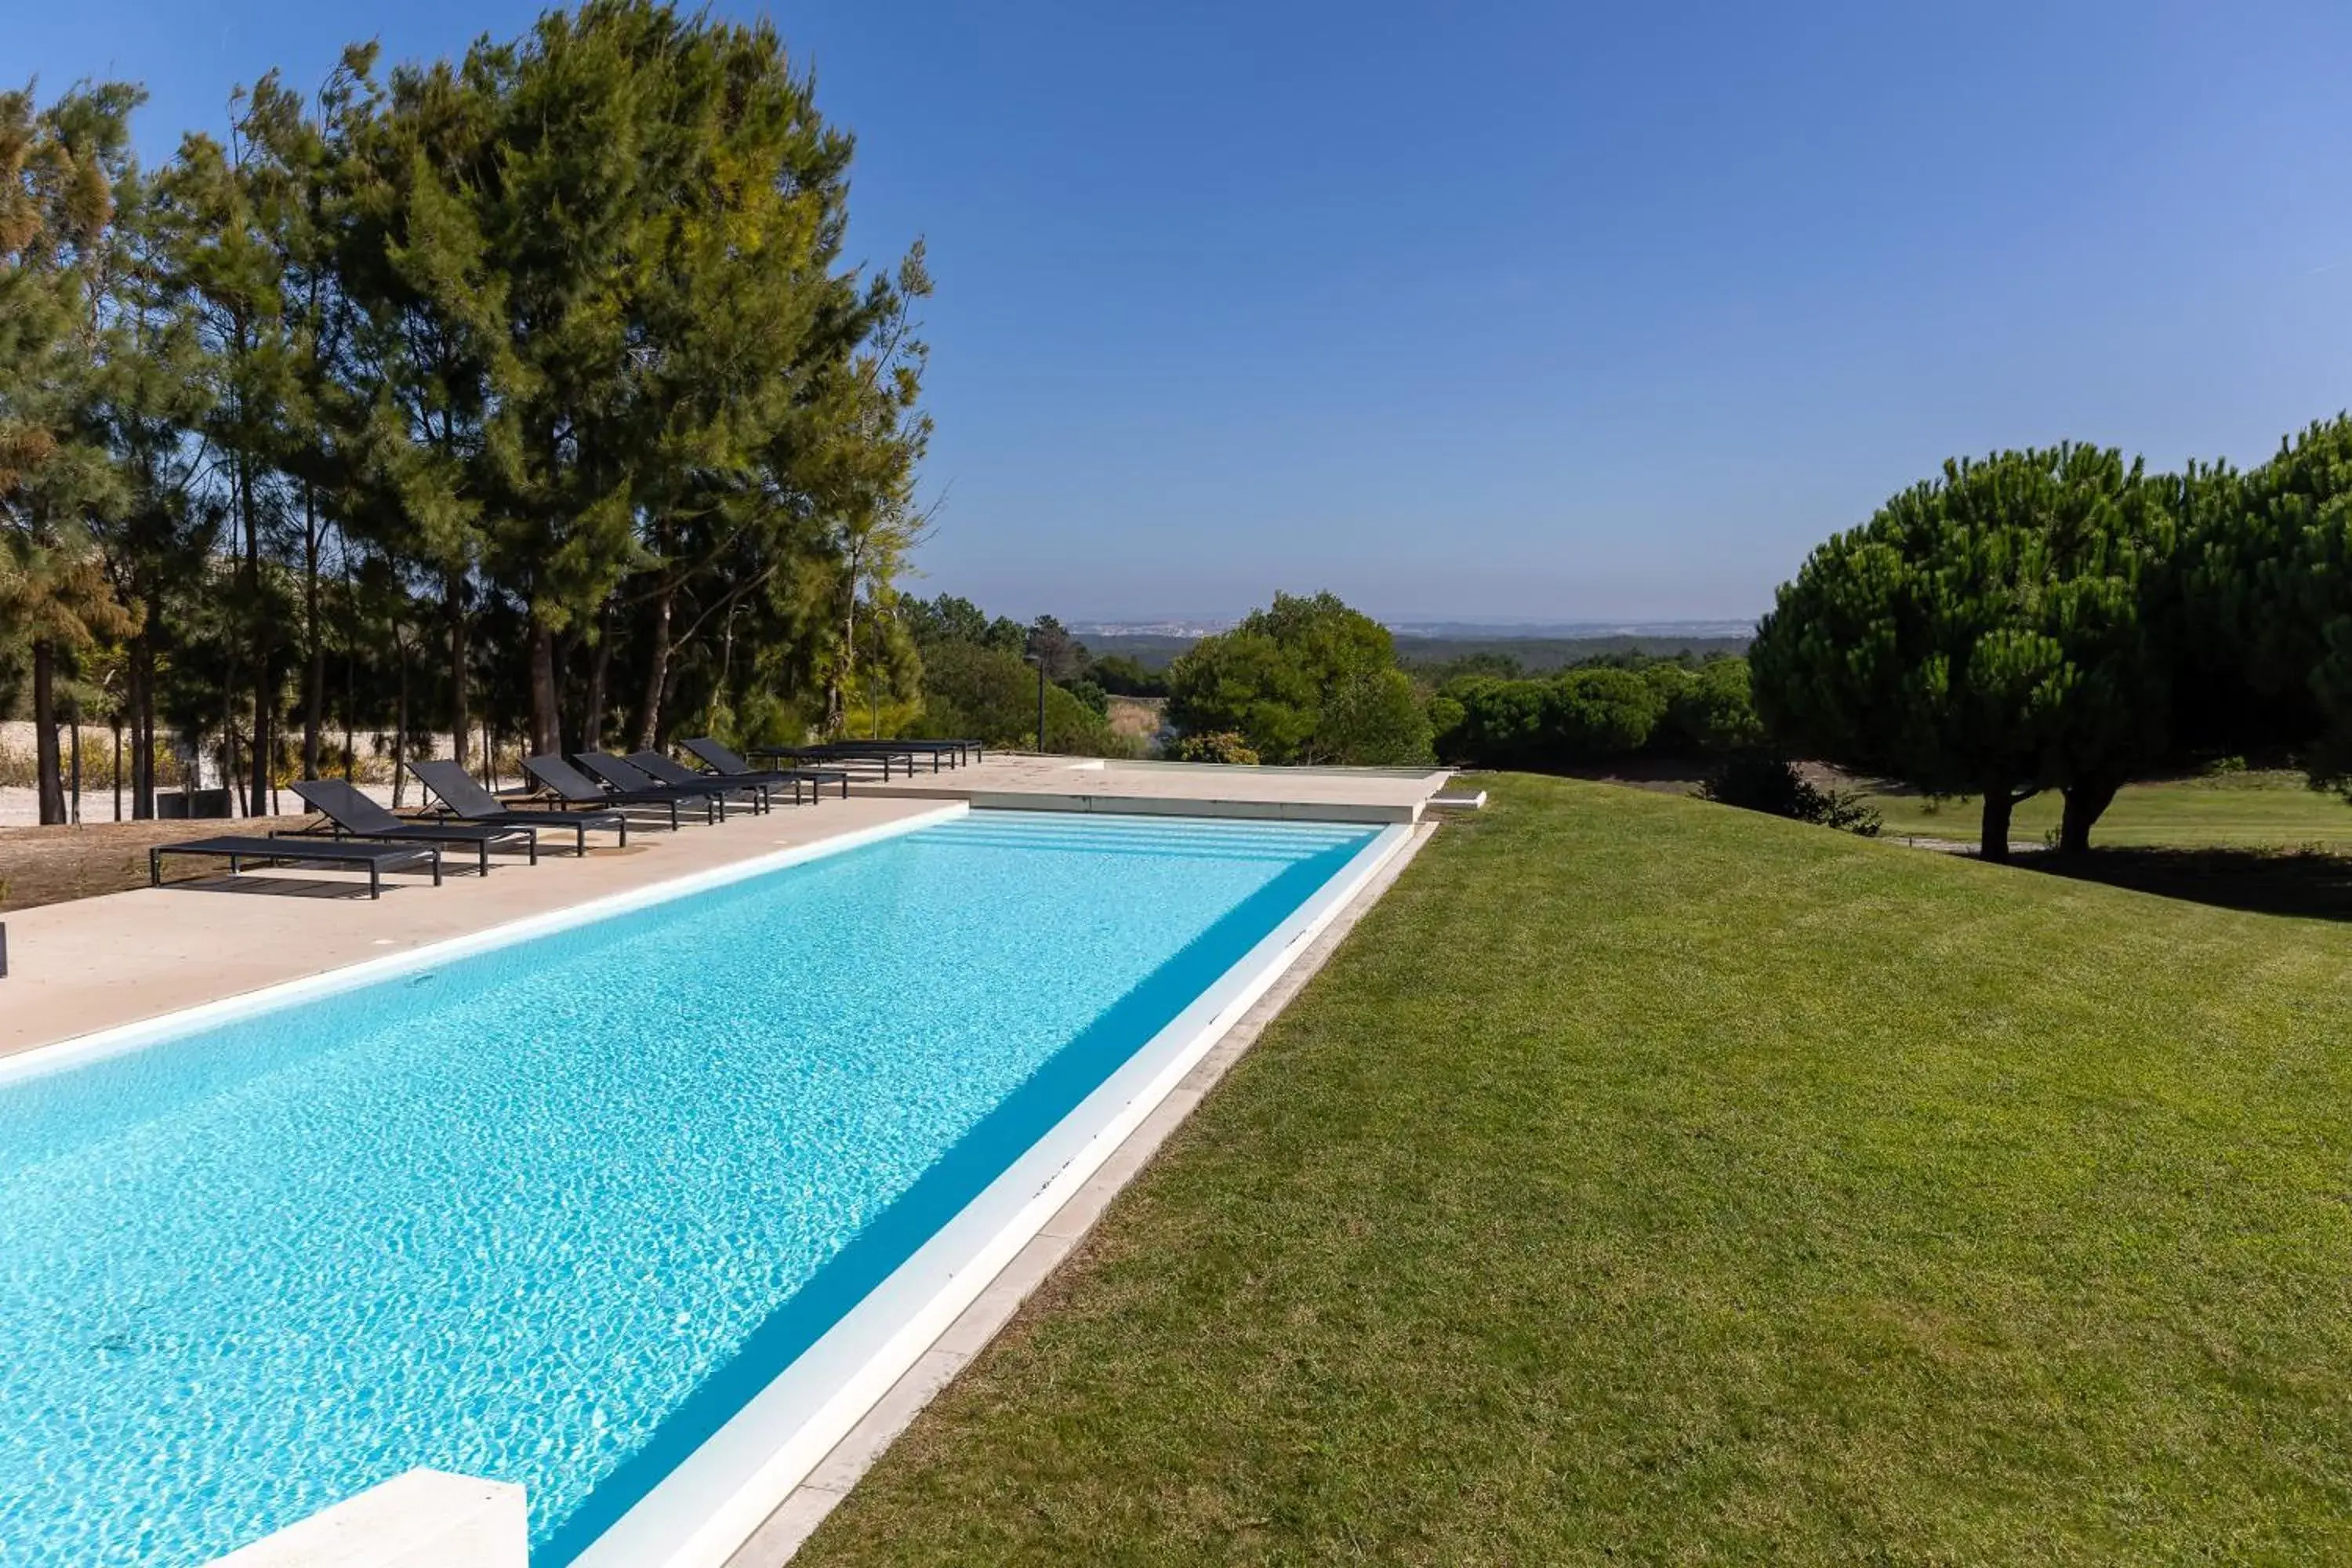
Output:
x=1511 y=310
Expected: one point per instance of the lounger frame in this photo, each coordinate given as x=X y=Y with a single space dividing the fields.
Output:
x=375 y=855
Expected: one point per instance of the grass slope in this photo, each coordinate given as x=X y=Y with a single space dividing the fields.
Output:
x=2258 y=810
x=1647 y=1180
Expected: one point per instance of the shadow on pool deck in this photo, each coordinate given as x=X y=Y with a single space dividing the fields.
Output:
x=318 y=887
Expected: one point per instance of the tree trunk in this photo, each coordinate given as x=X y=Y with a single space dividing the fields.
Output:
x=350 y=678
x=546 y=717
x=453 y=602
x=668 y=704
x=2085 y=800
x=264 y=733
x=118 y=767
x=837 y=698
x=142 y=730
x=1992 y=844
x=656 y=671
x=567 y=713
x=592 y=716
x=232 y=777
x=73 y=740
x=265 y=702
x=44 y=734
x=314 y=689
x=400 y=737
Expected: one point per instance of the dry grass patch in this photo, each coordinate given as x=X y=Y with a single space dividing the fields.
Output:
x=51 y=865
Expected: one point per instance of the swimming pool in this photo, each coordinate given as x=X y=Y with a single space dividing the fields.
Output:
x=564 y=1211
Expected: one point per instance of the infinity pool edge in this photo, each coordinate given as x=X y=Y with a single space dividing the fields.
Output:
x=710 y=1505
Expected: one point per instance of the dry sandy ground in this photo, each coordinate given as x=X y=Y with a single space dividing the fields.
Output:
x=50 y=865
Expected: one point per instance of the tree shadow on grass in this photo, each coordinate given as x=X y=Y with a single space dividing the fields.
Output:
x=2310 y=884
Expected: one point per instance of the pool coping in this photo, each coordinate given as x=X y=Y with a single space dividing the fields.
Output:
x=880 y=1355
x=38 y=1061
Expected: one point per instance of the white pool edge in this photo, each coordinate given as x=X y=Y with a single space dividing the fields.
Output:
x=704 y=1510
x=38 y=1061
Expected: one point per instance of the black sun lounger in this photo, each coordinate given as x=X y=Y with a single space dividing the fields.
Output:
x=350 y=814
x=725 y=764
x=624 y=775
x=465 y=799
x=885 y=755
x=955 y=753
x=377 y=857
x=759 y=787
x=568 y=785
x=957 y=750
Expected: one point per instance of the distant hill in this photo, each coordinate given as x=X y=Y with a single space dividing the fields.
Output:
x=1537 y=655
x=1679 y=633
x=1153 y=650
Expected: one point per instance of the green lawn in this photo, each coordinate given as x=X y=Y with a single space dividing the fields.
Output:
x=2246 y=810
x=1650 y=1181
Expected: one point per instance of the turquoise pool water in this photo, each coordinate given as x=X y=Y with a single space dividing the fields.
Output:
x=551 y=1213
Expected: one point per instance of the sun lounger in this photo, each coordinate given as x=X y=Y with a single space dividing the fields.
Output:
x=466 y=800
x=350 y=814
x=622 y=774
x=954 y=752
x=563 y=782
x=724 y=763
x=760 y=786
x=958 y=750
x=377 y=857
x=886 y=754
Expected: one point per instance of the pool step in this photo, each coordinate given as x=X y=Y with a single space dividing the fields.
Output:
x=420 y=1519
x=1458 y=801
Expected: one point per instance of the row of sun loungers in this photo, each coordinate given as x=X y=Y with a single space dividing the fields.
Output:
x=594 y=796
x=887 y=755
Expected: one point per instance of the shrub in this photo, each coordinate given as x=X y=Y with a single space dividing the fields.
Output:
x=1223 y=746
x=1760 y=781
x=1714 y=713
x=1373 y=720
x=1595 y=713
x=988 y=694
x=1493 y=723
x=1305 y=680
x=1123 y=675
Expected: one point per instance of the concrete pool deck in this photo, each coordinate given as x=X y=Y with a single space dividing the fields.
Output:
x=96 y=963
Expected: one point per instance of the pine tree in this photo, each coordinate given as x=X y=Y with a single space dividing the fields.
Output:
x=63 y=167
